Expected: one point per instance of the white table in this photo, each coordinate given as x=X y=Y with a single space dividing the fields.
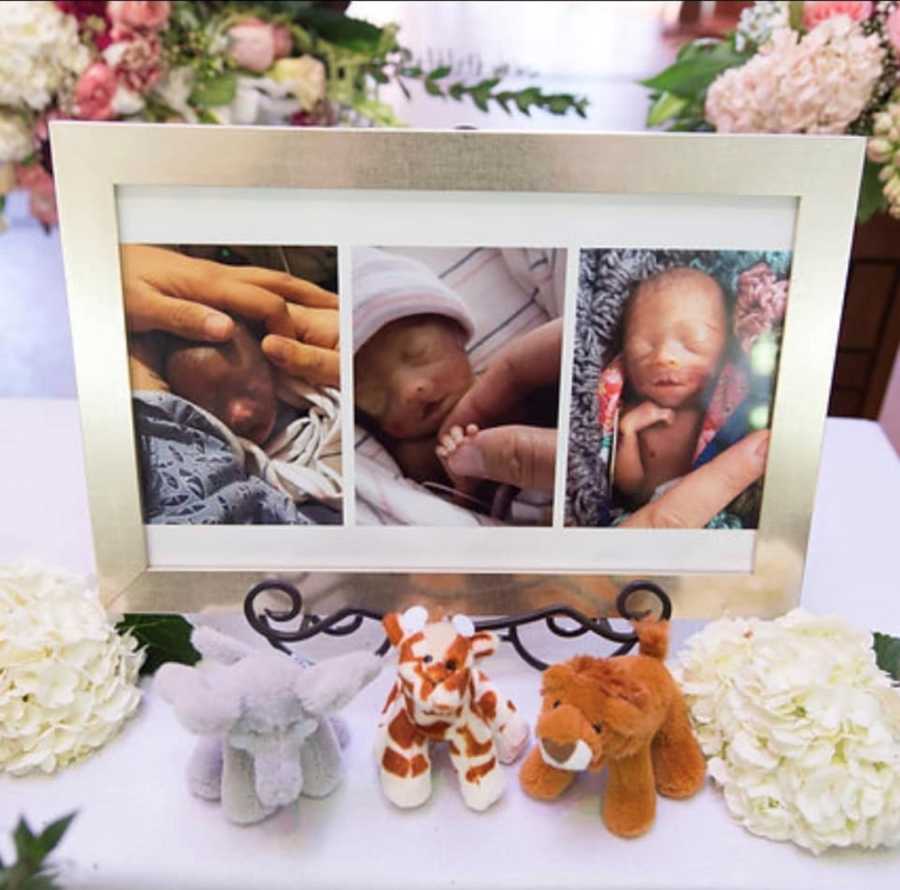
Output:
x=139 y=828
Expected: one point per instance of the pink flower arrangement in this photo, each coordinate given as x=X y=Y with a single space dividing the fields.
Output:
x=817 y=11
x=94 y=93
x=760 y=305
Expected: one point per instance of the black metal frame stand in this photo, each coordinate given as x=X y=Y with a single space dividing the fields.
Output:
x=348 y=620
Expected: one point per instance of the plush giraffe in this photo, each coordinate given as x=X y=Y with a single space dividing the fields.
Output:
x=441 y=696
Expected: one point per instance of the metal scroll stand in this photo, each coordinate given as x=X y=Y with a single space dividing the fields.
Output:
x=348 y=620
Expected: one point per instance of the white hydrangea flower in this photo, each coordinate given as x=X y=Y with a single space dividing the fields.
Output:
x=801 y=728
x=40 y=53
x=67 y=678
x=15 y=138
x=757 y=22
x=884 y=148
x=819 y=83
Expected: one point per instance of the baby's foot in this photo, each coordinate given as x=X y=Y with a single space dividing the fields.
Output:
x=453 y=438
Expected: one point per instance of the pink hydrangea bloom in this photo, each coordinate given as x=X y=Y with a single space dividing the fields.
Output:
x=817 y=11
x=818 y=84
x=94 y=93
x=892 y=30
x=761 y=302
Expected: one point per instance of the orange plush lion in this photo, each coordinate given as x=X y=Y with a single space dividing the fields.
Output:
x=626 y=713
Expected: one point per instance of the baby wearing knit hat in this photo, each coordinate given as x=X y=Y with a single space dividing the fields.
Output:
x=410 y=366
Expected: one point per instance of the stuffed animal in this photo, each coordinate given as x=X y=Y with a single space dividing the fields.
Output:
x=626 y=713
x=263 y=720
x=441 y=696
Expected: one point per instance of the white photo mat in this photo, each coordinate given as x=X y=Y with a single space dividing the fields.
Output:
x=351 y=218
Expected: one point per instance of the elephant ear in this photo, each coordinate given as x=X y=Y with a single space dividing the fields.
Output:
x=200 y=706
x=219 y=647
x=331 y=684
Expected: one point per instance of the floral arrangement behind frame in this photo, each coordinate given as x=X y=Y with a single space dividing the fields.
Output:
x=298 y=63
x=820 y=66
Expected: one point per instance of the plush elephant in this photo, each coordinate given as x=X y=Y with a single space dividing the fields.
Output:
x=264 y=721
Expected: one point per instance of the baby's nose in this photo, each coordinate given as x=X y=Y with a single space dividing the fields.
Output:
x=419 y=389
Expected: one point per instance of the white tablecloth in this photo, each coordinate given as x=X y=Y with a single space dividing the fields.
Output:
x=138 y=827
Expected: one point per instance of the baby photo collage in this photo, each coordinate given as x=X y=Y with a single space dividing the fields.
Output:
x=473 y=381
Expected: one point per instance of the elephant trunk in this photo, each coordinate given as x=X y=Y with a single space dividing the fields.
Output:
x=279 y=776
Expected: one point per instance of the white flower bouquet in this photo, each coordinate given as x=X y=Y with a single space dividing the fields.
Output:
x=67 y=677
x=801 y=728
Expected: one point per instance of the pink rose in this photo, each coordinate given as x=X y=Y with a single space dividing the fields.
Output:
x=94 y=93
x=761 y=302
x=42 y=199
x=137 y=63
x=284 y=43
x=817 y=11
x=252 y=45
x=138 y=15
x=892 y=30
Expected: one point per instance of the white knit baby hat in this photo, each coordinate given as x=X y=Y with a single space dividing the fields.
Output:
x=388 y=287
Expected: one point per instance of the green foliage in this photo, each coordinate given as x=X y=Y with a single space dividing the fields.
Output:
x=698 y=64
x=887 y=655
x=163 y=637
x=213 y=91
x=871 y=195
x=30 y=870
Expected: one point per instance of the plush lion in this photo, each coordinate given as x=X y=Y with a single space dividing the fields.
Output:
x=626 y=713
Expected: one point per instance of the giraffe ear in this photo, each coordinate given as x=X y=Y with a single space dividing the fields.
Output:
x=463 y=625
x=392 y=627
x=414 y=619
x=484 y=643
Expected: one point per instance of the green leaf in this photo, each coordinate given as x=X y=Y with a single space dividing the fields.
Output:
x=871 y=194
x=694 y=73
x=480 y=101
x=439 y=73
x=457 y=90
x=164 y=638
x=887 y=655
x=795 y=14
x=25 y=842
x=432 y=88
x=411 y=71
x=667 y=106
x=214 y=91
x=53 y=833
x=341 y=30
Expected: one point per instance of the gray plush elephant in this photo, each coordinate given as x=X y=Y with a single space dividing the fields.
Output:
x=264 y=721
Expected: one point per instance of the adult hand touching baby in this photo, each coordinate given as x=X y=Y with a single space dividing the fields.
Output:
x=195 y=299
x=526 y=456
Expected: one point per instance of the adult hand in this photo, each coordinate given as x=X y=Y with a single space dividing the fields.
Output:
x=193 y=298
x=700 y=495
x=312 y=353
x=524 y=456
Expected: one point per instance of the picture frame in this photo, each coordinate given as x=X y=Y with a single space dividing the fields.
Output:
x=134 y=183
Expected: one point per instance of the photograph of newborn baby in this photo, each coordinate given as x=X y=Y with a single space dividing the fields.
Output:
x=675 y=362
x=456 y=372
x=235 y=375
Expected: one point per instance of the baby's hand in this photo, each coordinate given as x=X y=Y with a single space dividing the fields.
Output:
x=645 y=415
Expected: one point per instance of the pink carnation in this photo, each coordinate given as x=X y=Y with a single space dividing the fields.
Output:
x=817 y=11
x=761 y=301
x=892 y=30
x=283 y=42
x=137 y=63
x=42 y=197
x=139 y=15
x=94 y=93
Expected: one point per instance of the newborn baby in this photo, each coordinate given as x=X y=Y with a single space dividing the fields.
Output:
x=233 y=381
x=675 y=336
x=408 y=377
